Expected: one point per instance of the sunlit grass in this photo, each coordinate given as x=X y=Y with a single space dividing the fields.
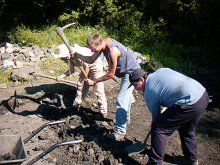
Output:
x=47 y=36
x=5 y=76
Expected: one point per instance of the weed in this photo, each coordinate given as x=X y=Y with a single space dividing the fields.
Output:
x=5 y=76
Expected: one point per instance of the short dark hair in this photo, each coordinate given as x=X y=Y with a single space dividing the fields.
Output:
x=136 y=74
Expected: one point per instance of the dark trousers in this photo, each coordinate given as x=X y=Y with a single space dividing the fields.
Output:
x=184 y=119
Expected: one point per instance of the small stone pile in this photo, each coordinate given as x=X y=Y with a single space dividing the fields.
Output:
x=22 y=59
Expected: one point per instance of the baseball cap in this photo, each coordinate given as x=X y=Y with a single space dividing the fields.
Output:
x=136 y=74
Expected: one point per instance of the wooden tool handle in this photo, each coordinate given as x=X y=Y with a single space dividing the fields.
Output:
x=75 y=60
x=54 y=78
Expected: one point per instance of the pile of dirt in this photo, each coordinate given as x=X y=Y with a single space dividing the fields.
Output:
x=7 y=156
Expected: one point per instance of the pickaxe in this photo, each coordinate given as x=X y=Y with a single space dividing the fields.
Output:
x=75 y=61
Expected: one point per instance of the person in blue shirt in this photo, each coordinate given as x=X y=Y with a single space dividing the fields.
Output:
x=184 y=98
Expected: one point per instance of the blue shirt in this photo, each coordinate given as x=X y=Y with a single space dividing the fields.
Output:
x=166 y=87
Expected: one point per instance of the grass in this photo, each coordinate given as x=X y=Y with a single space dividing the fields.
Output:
x=5 y=76
x=47 y=36
x=53 y=67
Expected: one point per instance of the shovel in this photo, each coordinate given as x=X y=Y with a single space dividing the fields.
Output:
x=137 y=147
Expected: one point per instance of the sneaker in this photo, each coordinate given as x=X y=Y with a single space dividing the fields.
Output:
x=116 y=136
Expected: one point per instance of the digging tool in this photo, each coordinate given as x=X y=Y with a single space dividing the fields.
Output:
x=53 y=78
x=40 y=128
x=138 y=147
x=66 y=142
x=64 y=39
x=75 y=60
x=14 y=146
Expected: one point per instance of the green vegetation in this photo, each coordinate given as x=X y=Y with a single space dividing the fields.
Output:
x=5 y=76
x=46 y=36
x=180 y=34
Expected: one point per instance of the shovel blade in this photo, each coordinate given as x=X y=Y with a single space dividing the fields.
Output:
x=135 y=148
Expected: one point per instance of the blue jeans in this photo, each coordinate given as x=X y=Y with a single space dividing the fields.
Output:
x=123 y=104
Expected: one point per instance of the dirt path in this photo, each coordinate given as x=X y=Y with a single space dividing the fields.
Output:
x=46 y=101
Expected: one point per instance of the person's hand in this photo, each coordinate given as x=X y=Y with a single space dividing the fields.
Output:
x=68 y=57
x=79 y=84
x=60 y=77
x=90 y=82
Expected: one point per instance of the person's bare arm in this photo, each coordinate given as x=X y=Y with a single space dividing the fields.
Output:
x=88 y=59
x=114 y=53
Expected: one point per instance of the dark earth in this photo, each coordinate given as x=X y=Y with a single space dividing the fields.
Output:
x=24 y=108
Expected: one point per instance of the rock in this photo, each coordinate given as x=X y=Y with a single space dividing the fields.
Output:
x=38 y=53
x=72 y=126
x=20 y=56
x=2 y=50
x=42 y=137
x=90 y=152
x=18 y=64
x=3 y=85
x=76 y=148
x=5 y=55
x=34 y=59
x=51 y=71
x=9 y=50
x=8 y=45
x=111 y=123
x=27 y=53
x=35 y=47
x=21 y=74
x=95 y=105
x=100 y=157
x=37 y=148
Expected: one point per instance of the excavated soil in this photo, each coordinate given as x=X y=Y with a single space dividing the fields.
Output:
x=25 y=108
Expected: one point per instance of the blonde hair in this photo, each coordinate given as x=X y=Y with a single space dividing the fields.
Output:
x=94 y=39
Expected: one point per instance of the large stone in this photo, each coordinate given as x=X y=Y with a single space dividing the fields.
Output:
x=8 y=45
x=38 y=53
x=5 y=55
x=2 y=50
x=90 y=152
x=21 y=74
x=3 y=85
x=9 y=50
x=28 y=54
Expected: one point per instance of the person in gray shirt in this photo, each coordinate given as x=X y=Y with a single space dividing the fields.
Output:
x=184 y=98
x=121 y=62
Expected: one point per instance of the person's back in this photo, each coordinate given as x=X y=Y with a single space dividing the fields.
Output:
x=184 y=99
x=168 y=87
x=126 y=61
